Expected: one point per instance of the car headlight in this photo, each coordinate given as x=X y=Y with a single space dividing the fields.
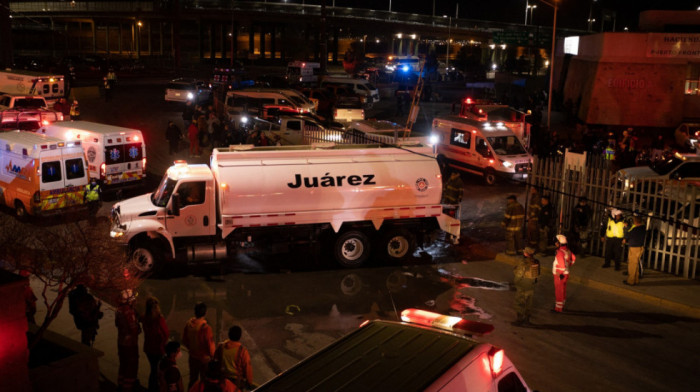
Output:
x=116 y=233
x=190 y=96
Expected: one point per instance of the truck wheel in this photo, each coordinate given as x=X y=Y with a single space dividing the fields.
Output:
x=489 y=177
x=398 y=244
x=144 y=258
x=351 y=249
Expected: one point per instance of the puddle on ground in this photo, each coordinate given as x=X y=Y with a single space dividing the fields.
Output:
x=464 y=282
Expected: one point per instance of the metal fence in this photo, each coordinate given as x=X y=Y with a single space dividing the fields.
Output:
x=670 y=208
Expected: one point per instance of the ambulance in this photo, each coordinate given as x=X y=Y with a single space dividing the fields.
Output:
x=116 y=155
x=22 y=82
x=41 y=175
x=426 y=351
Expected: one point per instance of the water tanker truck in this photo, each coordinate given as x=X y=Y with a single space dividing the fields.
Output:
x=352 y=199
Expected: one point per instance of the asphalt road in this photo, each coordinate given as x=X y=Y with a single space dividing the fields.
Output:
x=292 y=304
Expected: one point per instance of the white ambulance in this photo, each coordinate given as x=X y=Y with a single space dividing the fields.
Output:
x=41 y=175
x=425 y=352
x=489 y=149
x=22 y=82
x=116 y=155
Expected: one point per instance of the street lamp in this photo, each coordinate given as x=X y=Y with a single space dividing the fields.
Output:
x=590 y=15
x=554 y=4
x=532 y=11
x=449 y=39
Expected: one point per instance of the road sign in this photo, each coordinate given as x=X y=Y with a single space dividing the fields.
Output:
x=522 y=38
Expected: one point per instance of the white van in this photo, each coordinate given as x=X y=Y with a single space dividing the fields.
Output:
x=116 y=155
x=359 y=86
x=425 y=352
x=489 y=149
x=255 y=100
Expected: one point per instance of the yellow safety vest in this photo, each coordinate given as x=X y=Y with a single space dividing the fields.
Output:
x=92 y=193
x=615 y=229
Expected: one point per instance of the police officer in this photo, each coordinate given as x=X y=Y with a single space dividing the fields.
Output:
x=612 y=234
x=513 y=220
x=93 y=194
x=525 y=276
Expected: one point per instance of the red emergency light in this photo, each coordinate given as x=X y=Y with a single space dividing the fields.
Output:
x=447 y=323
x=468 y=101
x=494 y=362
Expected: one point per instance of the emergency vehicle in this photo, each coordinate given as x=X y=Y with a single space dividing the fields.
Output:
x=485 y=148
x=487 y=110
x=22 y=82
x=352 y=198
x=303 y=72
x=116 y=155
x=41 y=175
x=425 y=352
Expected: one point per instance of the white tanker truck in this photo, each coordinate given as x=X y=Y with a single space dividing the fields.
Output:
x=352 y=198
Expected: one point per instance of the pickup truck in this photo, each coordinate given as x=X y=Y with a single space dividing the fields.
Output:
x=27 y=119
x=8 y=101
x=348 y=109
x=296 y=130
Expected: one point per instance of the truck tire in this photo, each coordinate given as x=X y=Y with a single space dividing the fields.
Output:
x=145 y=259
x=397 y=244
x=489 y=177
x=351 y=249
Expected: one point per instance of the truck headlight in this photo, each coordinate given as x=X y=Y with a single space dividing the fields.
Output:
x=116 y=233
x=190 y=96
x=433 y=139
x=507 y=164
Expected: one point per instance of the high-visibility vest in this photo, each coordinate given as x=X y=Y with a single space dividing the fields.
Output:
x=92 y=192
x=609 y=153
x=74 y=110
x=615 y=229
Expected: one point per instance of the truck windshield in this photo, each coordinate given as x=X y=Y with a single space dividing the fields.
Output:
x=662 y=167
x=506 y=145
x=161 y=196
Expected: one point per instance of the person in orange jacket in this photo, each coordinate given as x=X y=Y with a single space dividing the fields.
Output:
x=199 y=340
x=563 y=259
x=213 y=381
x=235 y=359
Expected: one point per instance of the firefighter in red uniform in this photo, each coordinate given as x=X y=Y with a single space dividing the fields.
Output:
x=563 y=259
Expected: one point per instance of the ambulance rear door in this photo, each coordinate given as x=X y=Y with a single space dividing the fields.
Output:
x=125 y=158
x=63 y=178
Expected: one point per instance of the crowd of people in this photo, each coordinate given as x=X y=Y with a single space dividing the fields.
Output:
x=224 y=367
x=206 y=128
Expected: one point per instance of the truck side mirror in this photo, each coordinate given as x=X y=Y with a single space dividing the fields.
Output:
x=175 y=204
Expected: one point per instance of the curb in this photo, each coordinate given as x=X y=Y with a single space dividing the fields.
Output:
x=687 y=310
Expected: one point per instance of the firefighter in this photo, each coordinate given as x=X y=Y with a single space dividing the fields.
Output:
x=513 y=220
x=75 y=110
x=453 y=192
x=525 y=277
x=93 y=194
x=564 y=258
x=199 y=340
x=128 y=329
x=533 y=213
x=612 y=234
x=546 y=222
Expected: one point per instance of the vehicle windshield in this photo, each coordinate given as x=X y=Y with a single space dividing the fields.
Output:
x=29 y=103
x=662 y=167
x=161 y=196
x=506 y=145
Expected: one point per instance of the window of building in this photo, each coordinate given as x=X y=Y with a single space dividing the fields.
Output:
x=692 y=80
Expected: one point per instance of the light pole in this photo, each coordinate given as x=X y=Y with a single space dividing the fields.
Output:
x=532 y=11
x=449 y=38
x=590 y=16
x=527 y=6
x=554 y=4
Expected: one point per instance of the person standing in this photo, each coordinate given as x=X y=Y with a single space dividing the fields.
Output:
x=112 y=78
x=634 y=239
x=513 y=220
x=199 y=340
x=173 y=136
x=235 y=359
x=128 y=329
x=564 y=258
x=581 y=222
x=169 y=376
x=533 y=214
x=213 y=381
x=107 y=88
x=546 y=222
x=193 y=135
x=454 y=189
x=93 y=196
x=86 y=313
x=612 y=235
x=525 y=276
x=155 y=336
x=188 y=114
x=75 y=111
x=203 y=133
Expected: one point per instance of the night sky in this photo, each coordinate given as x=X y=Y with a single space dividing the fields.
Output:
x=572 y=13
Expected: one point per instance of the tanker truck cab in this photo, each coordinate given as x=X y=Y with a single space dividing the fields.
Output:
x=488 y=149
x=349 y=200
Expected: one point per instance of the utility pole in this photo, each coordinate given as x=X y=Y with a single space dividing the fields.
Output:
x=324 y=40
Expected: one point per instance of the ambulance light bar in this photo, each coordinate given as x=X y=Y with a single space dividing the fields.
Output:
x=446 y=323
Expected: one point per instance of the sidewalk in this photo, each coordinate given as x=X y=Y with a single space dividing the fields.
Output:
x=658 y=288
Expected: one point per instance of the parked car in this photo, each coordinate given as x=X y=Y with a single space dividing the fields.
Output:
x=187 y=90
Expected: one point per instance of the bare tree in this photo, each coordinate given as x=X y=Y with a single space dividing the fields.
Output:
x=64 y=256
